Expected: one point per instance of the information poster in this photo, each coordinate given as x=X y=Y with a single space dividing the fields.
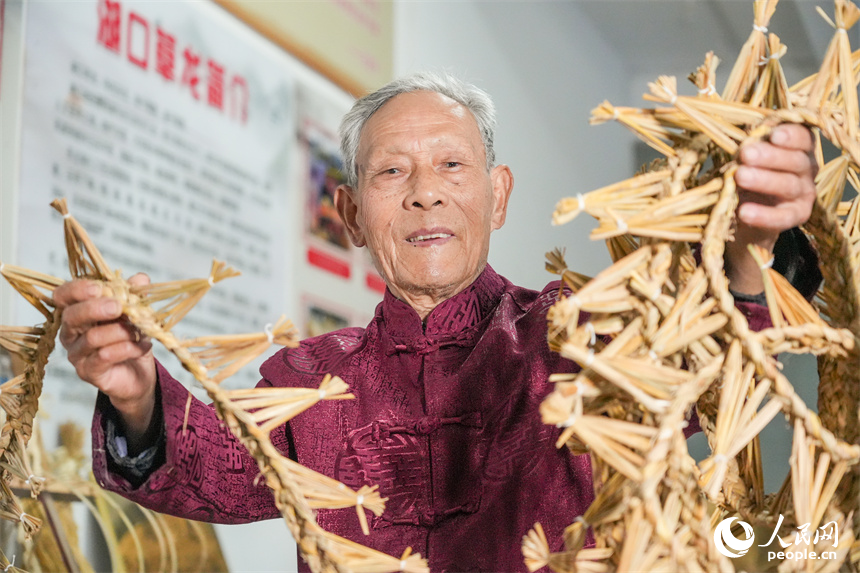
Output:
x=172 y=139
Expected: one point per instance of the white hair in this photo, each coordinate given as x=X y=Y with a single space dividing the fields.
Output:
x=471 y=97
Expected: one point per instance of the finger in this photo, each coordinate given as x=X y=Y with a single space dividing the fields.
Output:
x=139 y=279
x=96 y=364
x=776 y=218
x=103 y=335
x=793 y=136
x=768 y=156
x=75 y=291
x=123 y=351
x=779 y=185
x=82 y=316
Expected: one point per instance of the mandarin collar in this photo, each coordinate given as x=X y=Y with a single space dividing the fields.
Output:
x=451 y=318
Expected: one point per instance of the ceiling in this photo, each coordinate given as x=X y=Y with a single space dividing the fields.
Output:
x=656 y=36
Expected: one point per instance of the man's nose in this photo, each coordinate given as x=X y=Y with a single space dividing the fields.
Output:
x=426 y=190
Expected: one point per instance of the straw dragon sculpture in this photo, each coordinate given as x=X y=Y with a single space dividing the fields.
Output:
x=664 y=336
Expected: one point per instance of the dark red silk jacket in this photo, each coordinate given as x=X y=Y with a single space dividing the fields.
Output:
x=445 y=421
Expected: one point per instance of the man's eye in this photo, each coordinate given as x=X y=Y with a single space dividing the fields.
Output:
x=452 y=164
x=392 y=171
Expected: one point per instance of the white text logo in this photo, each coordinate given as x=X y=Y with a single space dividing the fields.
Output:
x=727 y=543
x=805 y=547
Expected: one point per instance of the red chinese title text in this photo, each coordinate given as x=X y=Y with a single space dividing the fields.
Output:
x=203 y=78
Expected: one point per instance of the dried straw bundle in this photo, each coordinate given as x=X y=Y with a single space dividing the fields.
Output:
x=325 y=493
x=227 y=354
x=30 y=285
x=745 y=72
x=181 y=296
x=15 y=462
x=837 y=69
x=537 y=555
x=771 y=90
x=8 y=566
x=11 y=510
x=274 y=407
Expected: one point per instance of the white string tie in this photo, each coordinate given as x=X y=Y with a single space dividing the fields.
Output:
x=664 y=434
x=766 y=265
x=708 y=90
x=576 y=300
x=721 y=459
x=11 y=564
x=674 y=100
x=615 y=113
x=322 y=394
x=67 y=215
x=765 y=59
x=580 y=387
x=589 y=358
x=360 y=500
x=2 y=266
x=27 y=481
x=589 y=328
x=211 y=281
x=656 y=294
x=581 y=200
x=843 y=30
x=762 y=29
x=582 y=520
x=403 y=565
x=622 y=225
x=269 y=335
x=653 y=355
x=571 y=420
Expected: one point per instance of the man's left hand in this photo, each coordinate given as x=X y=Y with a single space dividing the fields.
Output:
x=776 y=186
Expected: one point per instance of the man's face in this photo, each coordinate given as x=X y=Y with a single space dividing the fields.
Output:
x=425 y=204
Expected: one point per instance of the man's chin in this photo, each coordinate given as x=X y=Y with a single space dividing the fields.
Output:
x=442 y=285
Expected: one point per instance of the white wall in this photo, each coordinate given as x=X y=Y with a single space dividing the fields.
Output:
x=546 y=69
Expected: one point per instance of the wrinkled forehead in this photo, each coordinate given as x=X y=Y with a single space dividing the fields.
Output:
x=422 y=110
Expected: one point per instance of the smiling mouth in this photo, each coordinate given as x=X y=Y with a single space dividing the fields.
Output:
x=421 y=238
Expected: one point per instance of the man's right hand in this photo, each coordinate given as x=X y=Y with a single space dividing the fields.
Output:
x=109 y=352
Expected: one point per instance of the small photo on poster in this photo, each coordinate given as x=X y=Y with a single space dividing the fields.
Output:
x=324 y=174
x=322 y=317
x=327 y=244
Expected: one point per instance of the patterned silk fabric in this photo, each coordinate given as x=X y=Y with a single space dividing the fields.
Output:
x=445 y=421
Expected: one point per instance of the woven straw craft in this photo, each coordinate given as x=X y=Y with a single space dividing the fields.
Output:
x=664 y=336
x=250 y=414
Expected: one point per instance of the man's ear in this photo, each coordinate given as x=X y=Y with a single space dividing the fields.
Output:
x=503 y=184
x=347 y=208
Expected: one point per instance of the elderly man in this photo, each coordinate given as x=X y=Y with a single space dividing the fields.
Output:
x=447 y=376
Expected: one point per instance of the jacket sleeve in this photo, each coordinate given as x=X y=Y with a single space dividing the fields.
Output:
x=202 y=472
